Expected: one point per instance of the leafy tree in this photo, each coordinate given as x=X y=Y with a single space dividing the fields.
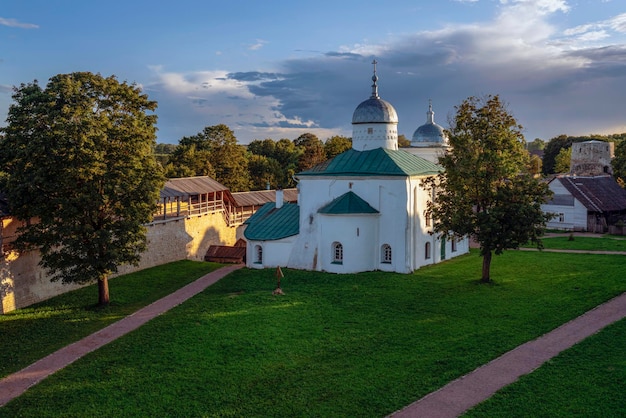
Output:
x=266 y=147
x=535 y=165
x=264 y=171
x=81 y=173
x=165 y=148
x=403 y=142
x=219 y=146
x=336 y=145
x=188 y=161
x=563 y=160
x=552 y=149
x=283 y=151
x=536 y=145
x=312 y=151
x=619 y=162
x=486 y=191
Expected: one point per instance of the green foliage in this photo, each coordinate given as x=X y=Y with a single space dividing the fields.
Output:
x=486 y=191
x=563 y=160
x=36 y=331
x=283 y=152
x=264 y=171
x=556 y=144
x=619 y=162
x=312 y=151
x=80 y=164
x=335 y=145
x=585 y=381
x=403 y=142
x=351 y=345
x=213 y=152
x=537 y=144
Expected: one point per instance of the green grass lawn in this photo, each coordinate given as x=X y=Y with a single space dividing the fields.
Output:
x=26 y=335
x=333 y=345
x=605 y=243
x=588 y=380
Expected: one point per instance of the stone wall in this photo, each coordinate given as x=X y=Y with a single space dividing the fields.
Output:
x=23 y=282
x=592 y=158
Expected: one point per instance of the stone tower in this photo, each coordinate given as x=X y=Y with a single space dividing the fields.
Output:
x=591 y=158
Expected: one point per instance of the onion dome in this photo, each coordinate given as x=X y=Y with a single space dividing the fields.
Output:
x=375 y=109
x=430 y=134
x=374 y=122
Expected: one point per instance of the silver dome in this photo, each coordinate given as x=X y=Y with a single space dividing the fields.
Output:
x=375 y=110
x=429 y=134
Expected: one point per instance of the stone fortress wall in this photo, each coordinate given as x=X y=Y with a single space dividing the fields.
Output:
x=23 y=282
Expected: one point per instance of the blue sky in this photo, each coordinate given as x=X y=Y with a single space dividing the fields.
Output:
x=276 y=69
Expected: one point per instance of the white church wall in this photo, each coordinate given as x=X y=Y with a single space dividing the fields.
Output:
x=273 y=253
x=355 y=236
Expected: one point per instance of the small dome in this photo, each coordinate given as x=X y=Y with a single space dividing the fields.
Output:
x=375 y=110
x=430 y=134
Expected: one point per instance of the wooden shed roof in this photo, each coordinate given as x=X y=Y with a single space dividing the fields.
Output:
x=191 y=186
x=261 y=197
x=597 y=194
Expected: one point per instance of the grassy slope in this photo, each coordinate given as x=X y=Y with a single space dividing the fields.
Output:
x=28 y=334
x=334 y=345
x=588 y=380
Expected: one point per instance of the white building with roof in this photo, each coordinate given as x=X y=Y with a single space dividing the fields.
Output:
x=359 y=211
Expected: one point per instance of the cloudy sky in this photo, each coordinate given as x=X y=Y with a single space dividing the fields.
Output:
x=280 y=68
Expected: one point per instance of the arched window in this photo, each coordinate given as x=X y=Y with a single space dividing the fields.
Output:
x=385 y=255
x=427 y=251
x=258 y=254
x=337 y=253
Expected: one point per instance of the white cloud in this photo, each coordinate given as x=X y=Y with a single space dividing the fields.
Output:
x=13 y=23
x=260 y=43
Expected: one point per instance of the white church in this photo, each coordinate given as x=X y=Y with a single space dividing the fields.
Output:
x=362 y=210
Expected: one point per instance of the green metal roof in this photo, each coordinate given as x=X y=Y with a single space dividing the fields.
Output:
x=347 y=203
x=269 y=223
x=376 y=162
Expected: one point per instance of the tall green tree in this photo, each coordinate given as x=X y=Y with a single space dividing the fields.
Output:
x=619 y=162
x=312 y=151
x=486 y=191
x=225 y=156
x=81 y=172
x=335 y=145
x=563 y=160
x=552 y=149
x=403 y=142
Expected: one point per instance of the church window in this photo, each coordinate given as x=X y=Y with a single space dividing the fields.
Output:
x=453 y=244
x=370 y=130
x=561 y=217
x=427 y=251
x=386 y=254
x=337 y=253
x=428 y=218
x=258 y=254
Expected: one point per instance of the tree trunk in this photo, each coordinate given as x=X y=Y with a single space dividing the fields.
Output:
x=486 y=268
x=103 y=291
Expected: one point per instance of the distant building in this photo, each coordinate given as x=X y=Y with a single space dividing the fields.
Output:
x=591 y=158
x=581 y=203
x=361 y=210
